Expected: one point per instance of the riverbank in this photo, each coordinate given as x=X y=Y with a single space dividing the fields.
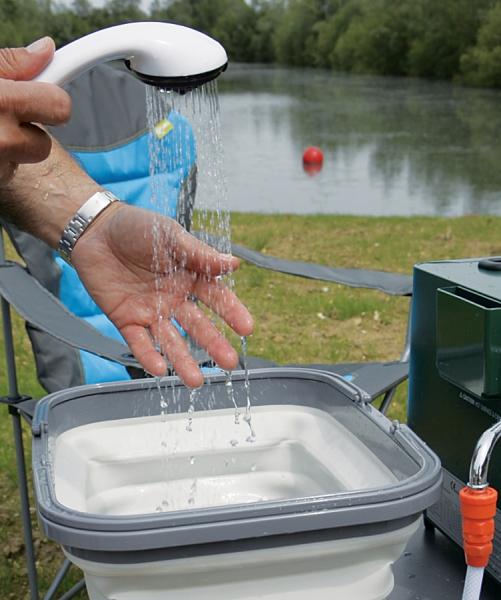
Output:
x=297 y=320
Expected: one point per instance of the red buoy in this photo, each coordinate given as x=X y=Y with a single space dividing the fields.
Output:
x=313 y=160
x=311 y=168
x=313 y=156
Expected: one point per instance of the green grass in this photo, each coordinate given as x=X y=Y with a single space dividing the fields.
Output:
x=297 y=320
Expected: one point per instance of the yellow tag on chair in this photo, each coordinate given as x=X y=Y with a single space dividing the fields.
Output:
x=162 y=128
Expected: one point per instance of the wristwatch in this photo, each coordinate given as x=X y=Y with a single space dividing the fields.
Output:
x=79 y=222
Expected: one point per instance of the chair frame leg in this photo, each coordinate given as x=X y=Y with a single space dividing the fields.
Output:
x=13 y=398
x=25 y=504
x=387 y=400
x=56 y=582
x=30 y=558
x=77 y=588
x=390 y=394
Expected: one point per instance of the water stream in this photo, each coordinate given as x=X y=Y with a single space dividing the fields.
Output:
x=186 y=131
x=248 y=413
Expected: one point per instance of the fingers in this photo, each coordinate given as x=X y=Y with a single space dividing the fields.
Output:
x=141 y=345
x=225 y=303
x=198 y=326
x=24 y=144
x=23 y=102
x=174 y=347
x=176 y=350
x=23 y=64
x=35 y=102
x=7 y=172
x=206 y=335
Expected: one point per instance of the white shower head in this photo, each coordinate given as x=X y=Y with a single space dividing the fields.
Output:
x=160 y=54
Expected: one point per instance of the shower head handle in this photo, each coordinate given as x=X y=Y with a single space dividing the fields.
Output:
x=161 y=54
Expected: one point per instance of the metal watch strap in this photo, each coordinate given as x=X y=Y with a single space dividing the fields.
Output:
x=84 y=216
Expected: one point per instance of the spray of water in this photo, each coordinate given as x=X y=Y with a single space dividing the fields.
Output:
x=185 y=143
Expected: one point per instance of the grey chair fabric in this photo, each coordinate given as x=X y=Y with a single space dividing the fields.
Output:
x=101 y=118
x=45 y=313
x=395 y=284
x=375 y=378
x=58 y=365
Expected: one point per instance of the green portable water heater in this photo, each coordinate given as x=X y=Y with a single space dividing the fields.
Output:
x=455 y=376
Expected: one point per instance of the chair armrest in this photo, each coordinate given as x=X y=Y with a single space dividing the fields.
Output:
x=396 y=284
x=44 y=311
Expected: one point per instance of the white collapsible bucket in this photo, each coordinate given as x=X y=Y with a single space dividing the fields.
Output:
x=172 y=505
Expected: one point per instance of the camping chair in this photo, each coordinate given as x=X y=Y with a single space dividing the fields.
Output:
x=69 y=349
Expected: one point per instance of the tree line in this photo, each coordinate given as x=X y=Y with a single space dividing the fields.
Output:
x=444 y=39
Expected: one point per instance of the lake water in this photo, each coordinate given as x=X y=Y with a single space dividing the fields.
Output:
x=392 y=146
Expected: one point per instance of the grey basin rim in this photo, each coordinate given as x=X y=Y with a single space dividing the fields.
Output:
x=241 y=544
x=362 y=517
x=84 y=530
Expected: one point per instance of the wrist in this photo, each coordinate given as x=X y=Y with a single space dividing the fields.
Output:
x=83 y=219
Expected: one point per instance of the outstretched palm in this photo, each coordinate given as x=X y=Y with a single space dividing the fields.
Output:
x=114 y=259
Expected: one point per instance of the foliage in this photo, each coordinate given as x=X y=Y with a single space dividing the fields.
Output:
x=447 y=29
x=377 y=39
x=449 y=39
x=20 y=21
x=231 y=22
x=481 y=64
x=295 y=35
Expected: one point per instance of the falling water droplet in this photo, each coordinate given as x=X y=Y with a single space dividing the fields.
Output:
x=193 y=491
x=248 y=412
x=191 y=409
x=231 y=395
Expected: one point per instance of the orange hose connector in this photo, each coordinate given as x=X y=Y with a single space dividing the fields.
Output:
x=478 y=508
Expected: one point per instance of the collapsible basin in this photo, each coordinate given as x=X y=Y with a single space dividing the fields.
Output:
x=155 y=502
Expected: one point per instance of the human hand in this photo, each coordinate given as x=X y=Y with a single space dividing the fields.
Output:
x=23 y=103
x=114 y=259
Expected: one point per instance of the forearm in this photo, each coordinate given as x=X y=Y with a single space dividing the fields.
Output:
x=41 y=198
